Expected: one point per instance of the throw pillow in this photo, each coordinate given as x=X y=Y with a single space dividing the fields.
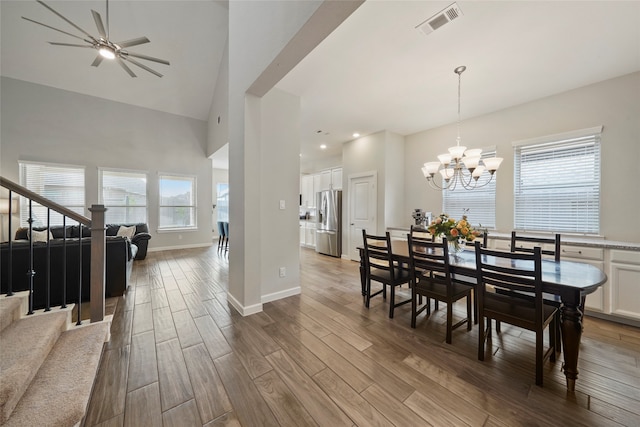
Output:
x=40 y=236
x=127 y=232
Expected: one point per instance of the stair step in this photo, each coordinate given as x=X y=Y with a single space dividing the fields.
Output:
x=60 y=391
x=25 y=344
x=10 y=310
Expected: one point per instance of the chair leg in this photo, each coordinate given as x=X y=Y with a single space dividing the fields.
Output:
x=469 y=312
x=392 y=301
x=539 y=356
x=552 y=339
x=449 y=321
x=475 y=306
x=368 y=293
x=498 y=326
x=481 y=339
x=414 y=307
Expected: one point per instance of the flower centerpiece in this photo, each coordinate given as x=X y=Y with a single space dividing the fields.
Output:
x=453 y=231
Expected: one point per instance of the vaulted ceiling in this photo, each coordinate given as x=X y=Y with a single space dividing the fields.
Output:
x=375 y=72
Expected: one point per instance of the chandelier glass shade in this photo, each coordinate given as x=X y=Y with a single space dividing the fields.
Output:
x=460 y=166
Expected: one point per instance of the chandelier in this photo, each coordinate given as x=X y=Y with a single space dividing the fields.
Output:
x=460 y=166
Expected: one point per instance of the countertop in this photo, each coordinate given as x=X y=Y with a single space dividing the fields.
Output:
x=568 y=240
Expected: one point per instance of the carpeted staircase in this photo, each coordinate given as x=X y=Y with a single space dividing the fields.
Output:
x=47 y=365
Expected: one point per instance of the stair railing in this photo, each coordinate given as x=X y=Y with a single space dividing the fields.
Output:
x=97 y=264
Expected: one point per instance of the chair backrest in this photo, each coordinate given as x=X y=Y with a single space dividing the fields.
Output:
x=485 y=237
x=221 y=229
x=513 y=271
x=429 y=259
x=226 y=229
x=421 y=233
x=378 y=255
x=555 y=241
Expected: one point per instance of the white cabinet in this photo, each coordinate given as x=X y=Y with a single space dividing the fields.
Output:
x=597 y=300
x=306 y=191
x=624 y=276
x=316 y=187
x=325 y=180
x=336 y=178
x=308 y=234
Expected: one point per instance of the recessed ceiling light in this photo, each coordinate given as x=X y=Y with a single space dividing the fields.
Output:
x=356 y=134
x=323 y=146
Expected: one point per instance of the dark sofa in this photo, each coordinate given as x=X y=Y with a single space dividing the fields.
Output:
x=120 y=253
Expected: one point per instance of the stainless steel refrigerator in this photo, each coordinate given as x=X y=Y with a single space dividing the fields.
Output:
x=329 y=226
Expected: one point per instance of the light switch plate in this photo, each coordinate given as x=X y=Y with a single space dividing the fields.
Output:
x=282 y=204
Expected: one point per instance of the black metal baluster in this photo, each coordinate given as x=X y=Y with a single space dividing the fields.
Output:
x=79 y=322
x=10 y=266
x=30 y=272
x=48 y=272
x=64 y=261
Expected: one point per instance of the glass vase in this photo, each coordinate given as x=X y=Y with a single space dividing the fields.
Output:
x=454 y=246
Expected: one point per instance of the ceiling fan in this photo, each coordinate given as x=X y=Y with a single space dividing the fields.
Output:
x=103 y=44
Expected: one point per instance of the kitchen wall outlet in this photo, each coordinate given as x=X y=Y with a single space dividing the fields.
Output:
x=282 y=204
x=283 y=271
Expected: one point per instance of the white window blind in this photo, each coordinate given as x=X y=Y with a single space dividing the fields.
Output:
x=479 y=204
x=177 y=202
x=62 y=184
x=557 y=184
x=124 y=194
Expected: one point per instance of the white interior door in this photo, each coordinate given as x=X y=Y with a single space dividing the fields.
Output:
x=362 y=209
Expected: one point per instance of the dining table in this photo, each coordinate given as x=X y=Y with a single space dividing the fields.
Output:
x=567 y=280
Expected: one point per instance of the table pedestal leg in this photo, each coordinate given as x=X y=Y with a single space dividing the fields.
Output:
x=571 y=326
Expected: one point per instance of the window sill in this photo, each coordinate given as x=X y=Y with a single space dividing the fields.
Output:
x=176 y=229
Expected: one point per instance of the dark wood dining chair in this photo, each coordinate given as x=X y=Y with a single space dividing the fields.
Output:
x=517 y=273
x=516 y=246
x=537 y=241
x=431 y=278
x=221 y=235
x=380 y=267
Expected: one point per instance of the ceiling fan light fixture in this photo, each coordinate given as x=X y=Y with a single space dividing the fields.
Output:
x=107 y=53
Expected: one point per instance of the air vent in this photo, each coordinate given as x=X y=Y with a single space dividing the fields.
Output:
x=446 y=15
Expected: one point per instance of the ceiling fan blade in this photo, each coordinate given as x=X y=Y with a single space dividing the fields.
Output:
x=71 y=23
x=97 y=61
x=49 y=26
x=133 y=42
x=98 y=19
x=70 y=44
x=144 y=67
x=107 y=19
x=127 y=69
x=148 y=58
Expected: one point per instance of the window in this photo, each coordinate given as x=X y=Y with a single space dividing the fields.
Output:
x=479 y=204
x=222 y=201
x=557 y=183
x=177 y=202
x=62 y=184
x=124 y=194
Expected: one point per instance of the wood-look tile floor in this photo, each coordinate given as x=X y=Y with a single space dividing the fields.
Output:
x=179 y=355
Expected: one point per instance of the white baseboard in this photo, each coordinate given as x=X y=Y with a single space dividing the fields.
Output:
x=170 y=248
x=281 y=294
x=244 y=311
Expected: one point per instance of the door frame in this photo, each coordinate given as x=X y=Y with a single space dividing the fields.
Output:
x=374 y=175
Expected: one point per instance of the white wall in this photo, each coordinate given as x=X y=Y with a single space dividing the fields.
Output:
x=218 y=124
x=382 y=152
x=218 y=176
x=394 y=208
x=279 y=228
x=266 y=39
x=41 y=123
x=614 y=103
